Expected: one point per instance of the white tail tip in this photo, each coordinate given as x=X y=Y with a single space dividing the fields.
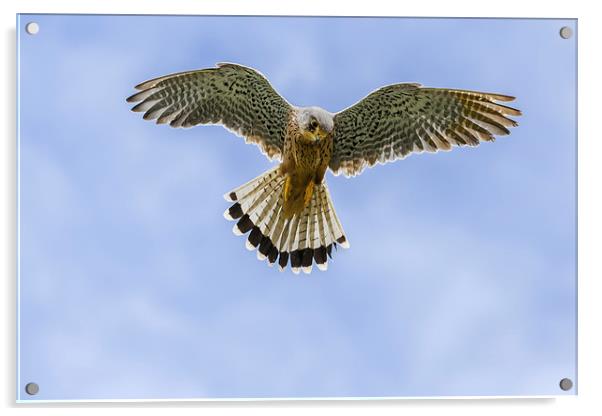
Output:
x=260 y=256
x=306 y=270
x=295 y=270
x=249 y=246
x=230 y=197
x=343 y=242
x=323 y=267
x=235 y=230
x=227 y=215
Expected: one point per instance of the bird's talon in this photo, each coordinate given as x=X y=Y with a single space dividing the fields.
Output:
x=309 y=191
x=287 y=188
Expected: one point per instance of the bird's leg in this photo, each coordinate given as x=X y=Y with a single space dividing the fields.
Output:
x=286 y=191
x=309 y=191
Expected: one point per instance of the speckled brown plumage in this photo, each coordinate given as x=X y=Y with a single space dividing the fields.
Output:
x=304 y=164
x=235 y=96
x=400 y=119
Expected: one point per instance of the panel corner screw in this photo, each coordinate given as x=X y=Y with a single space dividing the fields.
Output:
x=32 y=389
x=566 y=32
x=566 y=384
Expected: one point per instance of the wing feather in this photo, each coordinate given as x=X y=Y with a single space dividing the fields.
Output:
x=235 y=96
x=400 y=119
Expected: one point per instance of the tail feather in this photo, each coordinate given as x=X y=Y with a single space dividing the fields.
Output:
x=262 y=197
x=301 y=248
x=264 y=211
x=292 y=242
x=266 y=244
x=338 y=233
x=323 y=241
x=282 y=239
x=330 y=233
x=276 y=233
x=300 y=241
x=246 y=190
x=308 y=252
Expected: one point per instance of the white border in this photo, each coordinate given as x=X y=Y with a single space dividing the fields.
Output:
x=589 y=197
x=287 y=399
x=18 y=203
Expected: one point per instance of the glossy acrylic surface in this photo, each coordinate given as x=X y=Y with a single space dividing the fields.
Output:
x=461 y=276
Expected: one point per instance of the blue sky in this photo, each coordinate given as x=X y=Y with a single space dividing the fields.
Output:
x=460 y=279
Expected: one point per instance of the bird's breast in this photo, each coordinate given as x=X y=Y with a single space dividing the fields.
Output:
x=311 y=157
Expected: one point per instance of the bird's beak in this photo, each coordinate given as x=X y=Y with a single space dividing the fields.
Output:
x=314 y=137
x=318 y=135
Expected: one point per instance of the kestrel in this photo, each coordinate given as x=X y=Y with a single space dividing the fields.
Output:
x=287 y=210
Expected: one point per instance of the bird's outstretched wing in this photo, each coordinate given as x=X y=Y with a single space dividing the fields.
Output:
x=236 y=96
x=400 y=119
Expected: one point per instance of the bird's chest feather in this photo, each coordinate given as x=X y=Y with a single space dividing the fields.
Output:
x=304 y=165
x=310 y=157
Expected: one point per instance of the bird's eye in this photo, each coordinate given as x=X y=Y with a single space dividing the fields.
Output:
x=313 y=124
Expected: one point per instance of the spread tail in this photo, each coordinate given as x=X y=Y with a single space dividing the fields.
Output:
x=303 y=239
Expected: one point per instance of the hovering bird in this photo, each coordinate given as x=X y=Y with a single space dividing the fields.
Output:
x=288 y=211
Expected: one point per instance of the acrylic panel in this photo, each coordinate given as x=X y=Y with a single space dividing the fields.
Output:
x=460 y=278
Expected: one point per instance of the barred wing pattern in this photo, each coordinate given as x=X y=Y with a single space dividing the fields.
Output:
x=238 y=97
x=400 y=119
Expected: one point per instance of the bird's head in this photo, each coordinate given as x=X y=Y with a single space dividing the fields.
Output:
x=315 y=124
